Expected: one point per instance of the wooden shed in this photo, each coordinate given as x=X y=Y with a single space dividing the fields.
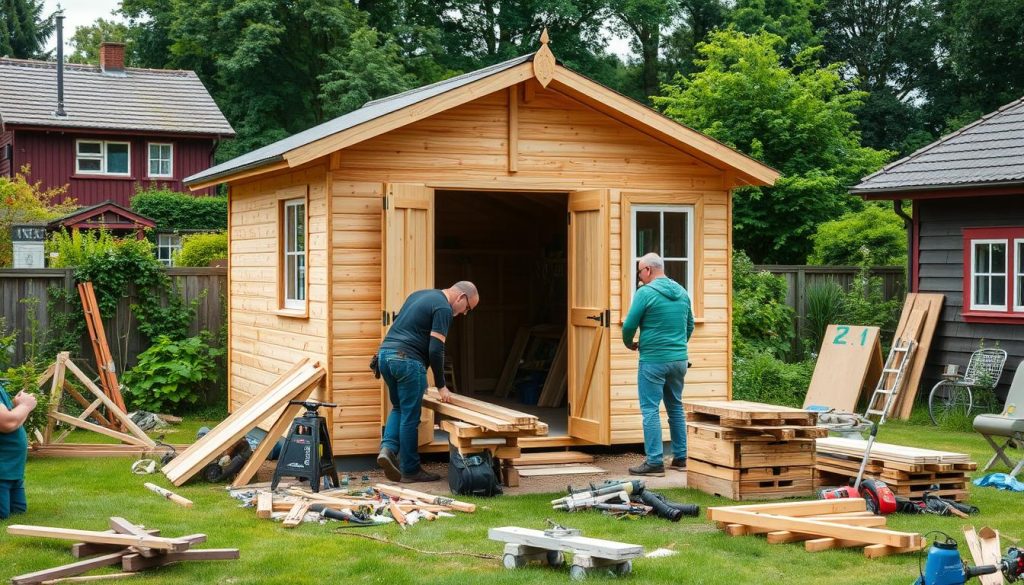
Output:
x=538 y=184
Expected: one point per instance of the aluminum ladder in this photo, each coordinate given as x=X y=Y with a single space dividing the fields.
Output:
x=895 y=368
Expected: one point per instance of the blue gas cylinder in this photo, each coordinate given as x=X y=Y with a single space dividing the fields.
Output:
x=944 y=566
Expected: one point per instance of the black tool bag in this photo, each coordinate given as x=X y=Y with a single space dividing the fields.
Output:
x=473 y=475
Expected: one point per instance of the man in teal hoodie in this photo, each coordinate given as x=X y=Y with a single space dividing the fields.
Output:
x=661 y=309
x=13 y=451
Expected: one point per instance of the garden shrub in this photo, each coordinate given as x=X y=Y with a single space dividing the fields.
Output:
x=172 y=374
x=761 y=377
x=23 y=379
x=876 y=228
x=865 y=302
x=172 y=210
x=826 y=304
x=761 y=319
x=24 y=202
x=202 y=249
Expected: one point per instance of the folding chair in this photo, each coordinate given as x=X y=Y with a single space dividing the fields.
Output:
x=1009 y=424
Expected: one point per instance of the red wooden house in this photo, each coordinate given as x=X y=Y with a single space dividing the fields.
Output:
x=118 y=127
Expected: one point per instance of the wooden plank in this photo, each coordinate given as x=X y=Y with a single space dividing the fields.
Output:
x=134 y=563
x=848 y=356
x=889 y=452
x=934 y=306
x=604 y=549
x=112 y=409
x=87 y=549
x=70 y=569
x=468 y=415
x=264 y=504
x=553 y=392
x=559 y=470
x=867 y=535
x=410 y=494
x=552 y=457
x=296 y=514
x=121 y=526
x=874 y=551
x=512 y=363
x=171 y=544
x=262 y=451
x=496 y=411
x=75 y=422
x=799 y=509
x=743 y=409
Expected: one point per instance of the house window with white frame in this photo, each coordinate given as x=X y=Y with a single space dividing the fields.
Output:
x=294 y=252
x=102 y=157
x=1018 y=275
x=167 y=245
x=666 y=230
x=161 y=159
x=988 y=275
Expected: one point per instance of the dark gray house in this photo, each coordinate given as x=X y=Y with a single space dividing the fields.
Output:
x=966 y=235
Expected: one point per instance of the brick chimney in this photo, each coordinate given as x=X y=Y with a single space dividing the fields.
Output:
x=112 y=57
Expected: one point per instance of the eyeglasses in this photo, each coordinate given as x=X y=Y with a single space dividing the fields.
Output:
x=465 y=298
x=640 y=271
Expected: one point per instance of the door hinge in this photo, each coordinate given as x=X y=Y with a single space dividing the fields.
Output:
x=384 y=202
x=384 y=318
x=607 y=318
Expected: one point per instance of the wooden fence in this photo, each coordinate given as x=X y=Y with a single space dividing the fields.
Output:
x=126 y=342
x=800 y=278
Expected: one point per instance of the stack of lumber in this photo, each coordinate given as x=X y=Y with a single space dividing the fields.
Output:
x=750 y=451
x=383 y=501
x=820 y=525
x=909 y=471
x=917 y=323
x=555 y=463
x=131 y=546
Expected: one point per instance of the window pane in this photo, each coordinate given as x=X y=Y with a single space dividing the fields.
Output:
x=998 y=290
x=648 y=232
x=676 y=270
x=300 y=228
x=675 y=235
x=289 y=228
x=300 y=294
x=117 y=158
x=981 y=258
x=1020 y=291
x=999 y=258
x=981 y=292
x=90 y=148
x=90 y=164
x=290 y=277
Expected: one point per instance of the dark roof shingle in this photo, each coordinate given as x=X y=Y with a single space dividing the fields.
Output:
x=141 y=99
x=987 y=151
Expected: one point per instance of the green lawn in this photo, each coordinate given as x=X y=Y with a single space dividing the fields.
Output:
x=80 y=493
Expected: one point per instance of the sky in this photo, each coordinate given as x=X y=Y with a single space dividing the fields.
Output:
x=83 y=12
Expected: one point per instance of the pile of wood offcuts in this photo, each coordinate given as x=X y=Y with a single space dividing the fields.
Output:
x=750 y=451
x=910 y=472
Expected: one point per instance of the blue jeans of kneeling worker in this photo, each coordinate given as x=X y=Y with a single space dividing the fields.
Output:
x=657 y=382
x=406 y=378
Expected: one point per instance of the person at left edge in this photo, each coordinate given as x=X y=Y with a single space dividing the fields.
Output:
x=13 y=451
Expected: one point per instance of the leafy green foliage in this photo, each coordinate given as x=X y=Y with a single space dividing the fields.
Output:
x=24 y=202
x=172 y=210
x=23 y=378
x=365 y=71
x=826 y=303
x=172 y=375
x=202 y=249
x=761 y=377
x=7 y=341
x=24 y=29
x=865 y=304
x=761 y=319
x=875 y=228
x=797 y=119
x=86 y=42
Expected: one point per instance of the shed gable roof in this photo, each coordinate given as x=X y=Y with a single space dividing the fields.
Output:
x=151 y=100
x=383 y=115
x=989 y=151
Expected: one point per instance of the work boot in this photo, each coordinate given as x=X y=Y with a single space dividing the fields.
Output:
x=678 y=463
x=386 y=460
x=646 y=468
x=420 y=475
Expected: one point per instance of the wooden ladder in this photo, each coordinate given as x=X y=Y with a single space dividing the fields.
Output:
x=104 y=361
x=894 y=370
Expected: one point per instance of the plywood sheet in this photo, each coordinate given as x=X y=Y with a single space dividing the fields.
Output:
x=850 y=360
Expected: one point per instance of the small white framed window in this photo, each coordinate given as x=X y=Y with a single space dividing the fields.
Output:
x=988 y=275
x=1018 y=275
x=102 y=157
x=294 y=253
x=666 y=230
x=161 y=159
x=167 y=245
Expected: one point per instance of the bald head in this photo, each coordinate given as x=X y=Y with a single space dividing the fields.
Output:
x=463 y=297
x=653 y=260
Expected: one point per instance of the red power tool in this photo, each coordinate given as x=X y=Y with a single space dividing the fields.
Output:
x=880 y=498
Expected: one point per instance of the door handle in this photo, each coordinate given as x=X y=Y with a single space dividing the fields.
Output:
x=598 y=317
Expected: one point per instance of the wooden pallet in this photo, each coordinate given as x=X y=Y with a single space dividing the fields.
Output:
x=741 y=453
x=742 y=413
x=491 y=417
x=955 y=488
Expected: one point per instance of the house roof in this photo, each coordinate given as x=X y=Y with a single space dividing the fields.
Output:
x=356 y=126
x=154 y=100
x=107 y=214
x=987 y=152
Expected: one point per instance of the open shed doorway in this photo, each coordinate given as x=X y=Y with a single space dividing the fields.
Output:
x=512 y=245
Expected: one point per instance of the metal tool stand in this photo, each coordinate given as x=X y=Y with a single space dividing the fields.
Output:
x=523 y=545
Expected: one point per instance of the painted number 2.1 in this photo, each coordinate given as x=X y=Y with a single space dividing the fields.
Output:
x=843 y=331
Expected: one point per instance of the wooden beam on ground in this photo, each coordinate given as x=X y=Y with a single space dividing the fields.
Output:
x=797 y=509
x=296 y=514
x=867 y=535
x=157 y=542
x=87 y=549
x=264 y=504
x=135 y=562
x=60 y=416
x=408 y=494
x=70 y=570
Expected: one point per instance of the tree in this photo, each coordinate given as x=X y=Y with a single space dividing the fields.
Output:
x=24 y=29
x=792 y=20
x=797 y=119
x=24 y=202
x=694 y=20
x=367 y=70
x=86 y=42
x=875 y=235
x=644 y=21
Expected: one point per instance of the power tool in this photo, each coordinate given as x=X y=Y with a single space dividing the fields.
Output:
x=880 y=498
x=307 y=451
x=945 y=567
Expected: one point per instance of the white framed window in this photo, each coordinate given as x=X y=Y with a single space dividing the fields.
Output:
x=988 y=275
x=294 y=253
x=161 y=159
x=102 y=157
x=167 y=245
x=1018 y=275
x=666 y=230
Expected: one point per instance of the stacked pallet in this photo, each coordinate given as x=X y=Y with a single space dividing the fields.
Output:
x=750 y=451
x=820 y=525
x=910 y=472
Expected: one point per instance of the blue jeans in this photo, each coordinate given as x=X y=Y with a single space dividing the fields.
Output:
x=12 y=497
x=657 y=382
x=406 y=378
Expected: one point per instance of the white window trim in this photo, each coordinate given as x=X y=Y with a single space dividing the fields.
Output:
x=102 y=157
x=149 y=159
x=974 y=273
x=287 y=232
x=691 y=212
x=175 y=246
x=1018 y=291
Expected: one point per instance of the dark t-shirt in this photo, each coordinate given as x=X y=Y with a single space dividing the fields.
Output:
x=13 y=446
x=424 y=311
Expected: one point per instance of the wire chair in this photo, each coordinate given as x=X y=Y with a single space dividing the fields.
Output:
x=954 y=394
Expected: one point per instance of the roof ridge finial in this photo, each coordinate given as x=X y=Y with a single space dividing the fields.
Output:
x=544 y=37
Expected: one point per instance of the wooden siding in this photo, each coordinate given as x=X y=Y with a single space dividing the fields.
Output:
x=940 y=270
x=263 y=340
x=6 y=168
x=52 y=159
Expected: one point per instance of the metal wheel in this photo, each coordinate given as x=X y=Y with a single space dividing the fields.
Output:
x=947 y=400
x=623 y=569
x=513 y=561
x=555 y=558
x=577 y=573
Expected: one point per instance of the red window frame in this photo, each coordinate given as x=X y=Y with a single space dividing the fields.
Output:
x=1008 y=315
